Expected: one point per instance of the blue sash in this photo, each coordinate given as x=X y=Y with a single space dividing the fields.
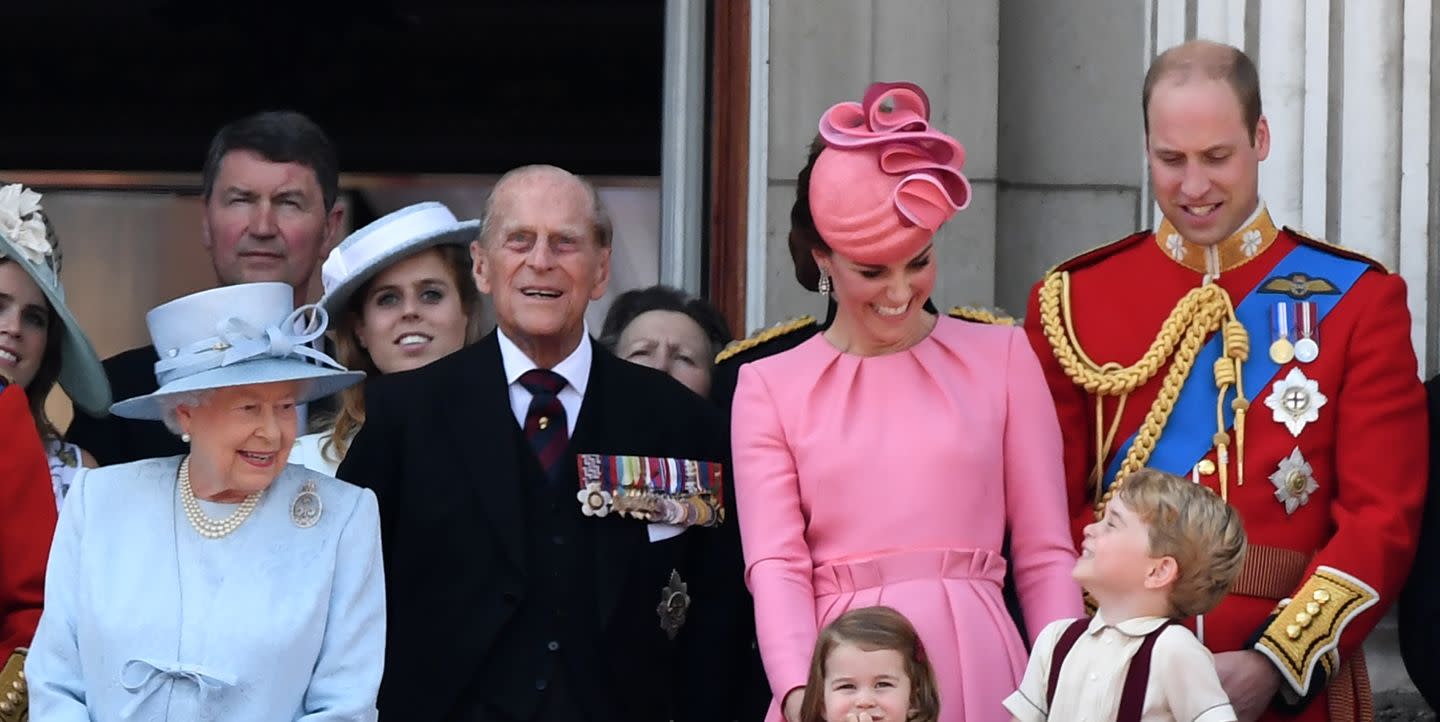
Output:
x=1190 y=432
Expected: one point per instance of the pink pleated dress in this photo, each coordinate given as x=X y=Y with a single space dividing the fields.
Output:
x=893 y=480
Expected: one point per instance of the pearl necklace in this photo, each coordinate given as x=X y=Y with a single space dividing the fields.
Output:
x=206 y=526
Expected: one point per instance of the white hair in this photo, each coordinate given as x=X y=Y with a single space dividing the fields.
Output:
x=169 y=403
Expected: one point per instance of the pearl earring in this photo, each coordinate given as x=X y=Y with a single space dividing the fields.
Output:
x=185 y=438
x=824 y=285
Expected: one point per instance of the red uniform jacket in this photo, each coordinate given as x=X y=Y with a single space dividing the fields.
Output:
x=27 y=506
x=1366 y=449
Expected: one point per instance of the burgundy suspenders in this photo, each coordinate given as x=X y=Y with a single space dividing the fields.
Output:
x=1057 y=657
x=1132 y=696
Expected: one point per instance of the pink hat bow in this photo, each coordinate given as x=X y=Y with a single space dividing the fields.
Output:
x=886 y=181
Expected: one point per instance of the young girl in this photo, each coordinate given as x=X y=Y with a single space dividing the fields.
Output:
x=869 y=666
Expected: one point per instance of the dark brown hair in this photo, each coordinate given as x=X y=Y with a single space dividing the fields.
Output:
x=351 y=355
x=1211 y=61
x=804 y=238
x=873 y=629
x=278 y=136
x=631 y=304
x=39 y=388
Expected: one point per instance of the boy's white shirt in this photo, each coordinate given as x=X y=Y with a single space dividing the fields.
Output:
x=1183 y=685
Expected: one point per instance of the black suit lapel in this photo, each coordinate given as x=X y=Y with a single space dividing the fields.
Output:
x=485 y=431
x=595 y=431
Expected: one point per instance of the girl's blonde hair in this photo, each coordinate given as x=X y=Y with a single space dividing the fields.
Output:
x=873 y=629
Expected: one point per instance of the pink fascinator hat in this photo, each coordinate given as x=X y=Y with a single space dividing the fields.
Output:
x=886 y=180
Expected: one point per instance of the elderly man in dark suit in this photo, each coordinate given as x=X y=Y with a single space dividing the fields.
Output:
x=516 y=589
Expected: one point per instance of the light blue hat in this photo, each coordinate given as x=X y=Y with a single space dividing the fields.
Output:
x=384 y=241
x=35 y=252
x=237 y=336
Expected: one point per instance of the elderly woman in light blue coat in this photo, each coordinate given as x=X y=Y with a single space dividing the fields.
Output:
x=224 y=584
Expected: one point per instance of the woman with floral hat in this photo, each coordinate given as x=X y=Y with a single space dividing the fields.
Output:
x=887 y=459
x=224 y=584
x=401 y=294
x=40 y=341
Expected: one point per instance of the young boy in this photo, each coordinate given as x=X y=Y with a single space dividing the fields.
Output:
x=1167 y=549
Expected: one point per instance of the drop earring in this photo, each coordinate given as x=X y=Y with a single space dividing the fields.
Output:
x=824 y=286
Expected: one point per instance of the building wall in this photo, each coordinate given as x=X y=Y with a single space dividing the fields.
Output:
x=826 y=51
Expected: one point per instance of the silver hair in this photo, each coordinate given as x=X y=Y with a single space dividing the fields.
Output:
x=600 y=223
x=168 y=405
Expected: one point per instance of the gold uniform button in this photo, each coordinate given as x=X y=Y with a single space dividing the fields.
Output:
x=1313 y=608
x=1293 y=631
x=1205 y=467
x=1322 y=596
x=1302 y=619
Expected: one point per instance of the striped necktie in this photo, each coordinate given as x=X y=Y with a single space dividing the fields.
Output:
x=545 y=424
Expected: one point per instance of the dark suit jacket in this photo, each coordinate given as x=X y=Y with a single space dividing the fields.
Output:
x=438 y=449
x=1419 y=607
x=115 y=440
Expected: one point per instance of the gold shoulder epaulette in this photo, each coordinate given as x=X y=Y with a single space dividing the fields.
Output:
x=763 y=335
x=1099 y=252
x=982 y=315
x=1322 y=244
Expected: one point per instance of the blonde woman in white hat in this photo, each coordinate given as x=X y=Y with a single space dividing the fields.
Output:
x=401 y=295
x=40 y=341
x=224 y=584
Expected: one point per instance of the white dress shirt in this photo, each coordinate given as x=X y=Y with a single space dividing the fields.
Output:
x=1183 y=685
x=575 y=369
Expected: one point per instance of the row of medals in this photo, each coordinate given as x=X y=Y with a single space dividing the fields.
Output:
x=1293 y=321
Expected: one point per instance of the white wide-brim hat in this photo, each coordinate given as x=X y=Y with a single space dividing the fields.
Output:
x=238 y=335
x=81 y=374
x=390 y=238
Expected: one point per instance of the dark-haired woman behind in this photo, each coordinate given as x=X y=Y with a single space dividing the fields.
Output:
x=665 y=329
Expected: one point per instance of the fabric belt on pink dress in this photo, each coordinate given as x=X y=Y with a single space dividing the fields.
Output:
x=973 y=564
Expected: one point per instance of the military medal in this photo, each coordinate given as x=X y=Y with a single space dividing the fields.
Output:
x=1281 y=350
x=1294 y=482
x=1295 y=401
x=594 y=500
x=1307 y=349
x=679 y=492
x=305 y=510
x=674 y=603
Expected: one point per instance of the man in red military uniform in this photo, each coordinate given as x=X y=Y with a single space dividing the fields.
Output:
x=1273 y=368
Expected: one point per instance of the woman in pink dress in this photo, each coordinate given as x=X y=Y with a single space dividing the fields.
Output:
x=885 y=460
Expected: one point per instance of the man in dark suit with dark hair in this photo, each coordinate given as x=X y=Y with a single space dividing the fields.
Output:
x=518 y=589
x=271 y=182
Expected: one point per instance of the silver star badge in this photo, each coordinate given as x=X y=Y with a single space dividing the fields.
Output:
x=1295 y=401
x=1294 y=482
x=674 y=604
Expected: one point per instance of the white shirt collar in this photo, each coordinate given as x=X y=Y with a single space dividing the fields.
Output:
x=1136 y=627
x=575 y=368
